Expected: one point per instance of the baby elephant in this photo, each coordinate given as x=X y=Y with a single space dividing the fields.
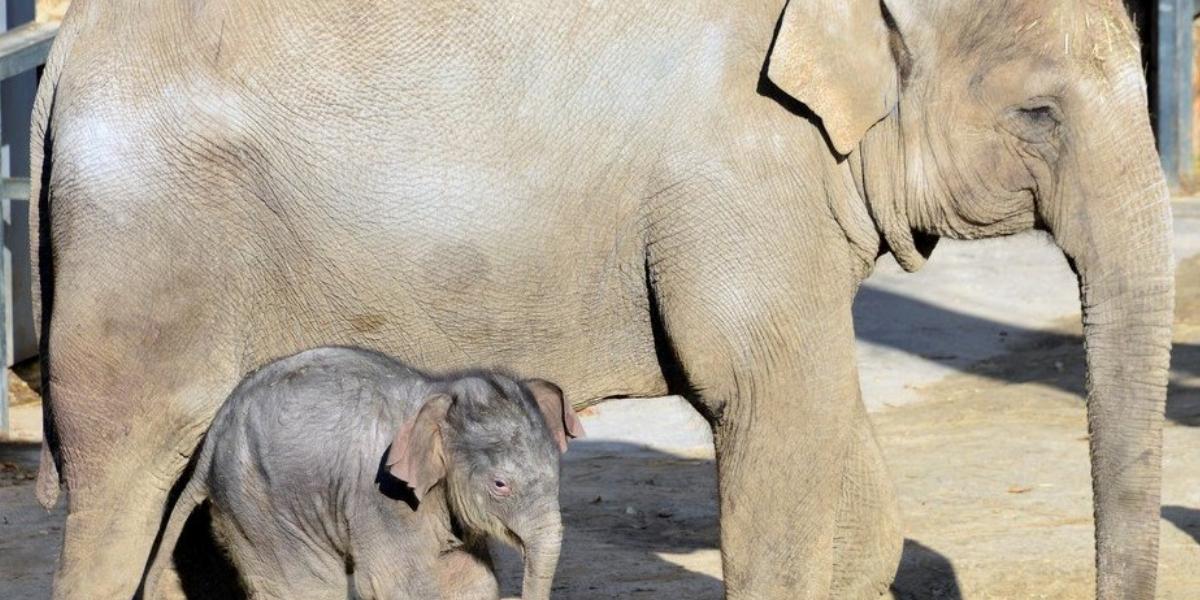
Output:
x=308 y=506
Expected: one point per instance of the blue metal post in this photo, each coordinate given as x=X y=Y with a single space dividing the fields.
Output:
x=16 y=102
x=4 y=424
x=1173 y=93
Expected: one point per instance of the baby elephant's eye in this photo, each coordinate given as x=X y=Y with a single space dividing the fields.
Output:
x=500 y=487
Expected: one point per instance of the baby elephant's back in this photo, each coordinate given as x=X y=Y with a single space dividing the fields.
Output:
x=309 y=426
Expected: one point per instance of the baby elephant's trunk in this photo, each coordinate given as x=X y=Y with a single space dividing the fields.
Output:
x=542 y=539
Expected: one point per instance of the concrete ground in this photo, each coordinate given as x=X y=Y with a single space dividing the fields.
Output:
x=973 y=371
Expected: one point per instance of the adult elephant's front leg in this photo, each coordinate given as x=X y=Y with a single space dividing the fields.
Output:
x=869 y=538
x=774 y=365
x=781 y=449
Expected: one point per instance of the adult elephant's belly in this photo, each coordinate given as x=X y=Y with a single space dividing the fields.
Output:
x=489 y=280
x=410 y=219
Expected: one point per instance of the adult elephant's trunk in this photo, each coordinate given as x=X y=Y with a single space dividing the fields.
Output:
x=1127 y=314
x=541 y=538
x=1113 y=221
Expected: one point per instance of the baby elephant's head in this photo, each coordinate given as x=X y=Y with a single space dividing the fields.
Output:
x=495 y=442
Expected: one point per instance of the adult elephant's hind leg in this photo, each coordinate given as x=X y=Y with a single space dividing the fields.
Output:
x=132 y=387
x=118 y=480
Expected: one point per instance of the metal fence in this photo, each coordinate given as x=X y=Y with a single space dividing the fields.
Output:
x=22 y=49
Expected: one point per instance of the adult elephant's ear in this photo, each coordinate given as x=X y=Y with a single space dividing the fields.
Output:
x=835 y=56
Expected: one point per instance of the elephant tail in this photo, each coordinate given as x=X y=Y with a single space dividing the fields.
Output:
x=40 y=158
x=41 y=162
x=48 y=482
x=193 y=495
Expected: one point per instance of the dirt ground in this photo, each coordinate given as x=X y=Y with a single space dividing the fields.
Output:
x=991 y=464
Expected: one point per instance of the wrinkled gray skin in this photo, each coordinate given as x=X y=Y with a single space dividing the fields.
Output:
x=292 y=465
x=628 y=188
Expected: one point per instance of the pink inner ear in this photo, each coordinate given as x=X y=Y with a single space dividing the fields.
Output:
x=399 y=462
x=574 y=427
x=557 y=413
x=416 y=454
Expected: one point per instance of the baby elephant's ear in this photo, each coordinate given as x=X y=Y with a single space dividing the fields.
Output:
x=416 y=456
x=559 y=415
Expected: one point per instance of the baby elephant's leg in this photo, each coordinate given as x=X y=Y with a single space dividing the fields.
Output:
x=301 y=578
x=401 y=579
x=274 y=566
x=467 y=573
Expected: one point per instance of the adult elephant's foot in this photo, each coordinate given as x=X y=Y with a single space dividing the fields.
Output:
x=869 y=538
x=783 y=536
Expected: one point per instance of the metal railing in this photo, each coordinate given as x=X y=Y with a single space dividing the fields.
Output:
x=21 y=49
x=25 y=47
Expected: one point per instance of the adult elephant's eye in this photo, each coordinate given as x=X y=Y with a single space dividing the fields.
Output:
x=1037 y=121
x=1039 y=115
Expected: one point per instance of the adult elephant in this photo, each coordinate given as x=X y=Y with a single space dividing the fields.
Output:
x=628 y=198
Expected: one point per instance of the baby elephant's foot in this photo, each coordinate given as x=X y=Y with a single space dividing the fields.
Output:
x=463 y=574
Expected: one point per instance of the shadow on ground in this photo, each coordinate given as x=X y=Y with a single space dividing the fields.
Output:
x=19 y=461
x=925 y=574
x=1031 y=356
x=30 y=536
x=640 y=523
x=650 y=519
x=1186 y=519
